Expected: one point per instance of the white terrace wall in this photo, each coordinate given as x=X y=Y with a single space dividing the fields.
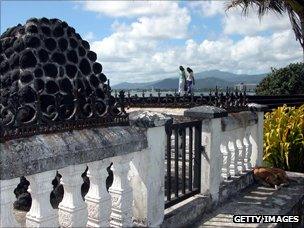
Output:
x=233 y=145
x=135 y=197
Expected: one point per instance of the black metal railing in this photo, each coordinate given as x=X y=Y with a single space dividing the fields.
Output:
x=277 y=101
x=183 y=161
x=19 y=119
x=232 y=101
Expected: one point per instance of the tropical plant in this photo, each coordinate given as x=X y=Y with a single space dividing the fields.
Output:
x=284 y=81
x=294 y=8
x=284 y=138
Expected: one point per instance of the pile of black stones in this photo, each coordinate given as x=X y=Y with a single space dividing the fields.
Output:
x=49 y=58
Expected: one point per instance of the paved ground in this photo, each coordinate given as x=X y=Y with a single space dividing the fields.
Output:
x=169 y=111
x=258 y=200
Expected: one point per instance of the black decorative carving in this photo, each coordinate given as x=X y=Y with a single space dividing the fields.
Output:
x=232 y=101
x=49 y=81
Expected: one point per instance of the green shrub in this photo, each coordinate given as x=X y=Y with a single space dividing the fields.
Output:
x=284 y=138
x=284 y=81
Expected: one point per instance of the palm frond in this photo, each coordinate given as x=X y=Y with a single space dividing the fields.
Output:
x=296 y=25
x=294 y=8
x=263 y=6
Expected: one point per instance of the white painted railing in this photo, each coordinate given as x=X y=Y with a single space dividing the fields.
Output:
x=233 y=144
x=237 y=147
x=136 y=196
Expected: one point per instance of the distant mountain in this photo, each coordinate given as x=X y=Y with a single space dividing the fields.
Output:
x=231 y=77
x=204 y=80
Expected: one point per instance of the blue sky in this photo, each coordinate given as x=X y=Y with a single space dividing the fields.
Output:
x=145 y=41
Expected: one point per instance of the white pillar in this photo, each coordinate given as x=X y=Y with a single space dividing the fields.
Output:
x=72 y=209
x=211 y=164
x=121 y=193
x=260 y=138
x=240 y=148
x=41 y=213
x=98 y=199
x=147 y=180
x=7 y=195
x=234 y=156
x=225 y=174
x=256 y=138
x=247 y=154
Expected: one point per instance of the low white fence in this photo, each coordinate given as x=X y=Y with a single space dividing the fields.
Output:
x=233 y=144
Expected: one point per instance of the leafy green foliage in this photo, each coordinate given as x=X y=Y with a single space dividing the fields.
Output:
x=284 y=81
x=284 y=138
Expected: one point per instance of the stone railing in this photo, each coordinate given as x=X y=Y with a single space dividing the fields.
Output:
x=124 y=171
x=233 y=144
x=115 y=176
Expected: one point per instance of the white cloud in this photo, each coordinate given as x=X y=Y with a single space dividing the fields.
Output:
x=134 y=52
x=131 y=8
x=173 y=26
x=139 y=61
x=234 y=22
x=155 y=19
x=208 y=8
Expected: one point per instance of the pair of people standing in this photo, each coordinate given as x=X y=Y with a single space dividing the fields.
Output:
x=186 y=81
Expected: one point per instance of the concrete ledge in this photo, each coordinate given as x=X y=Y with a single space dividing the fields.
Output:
x=187 y=211
x=147 y=119
x=40 y=153
x=234 y=185
x=206 y=111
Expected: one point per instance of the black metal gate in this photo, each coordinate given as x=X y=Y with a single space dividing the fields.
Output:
x=183 y=161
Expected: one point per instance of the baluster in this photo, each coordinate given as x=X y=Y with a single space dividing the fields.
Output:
x=7 y=195
x=41 y=213
x=121 y=193
x=98 y=199
x=240 y=163
x=234 y=158
x=225 y=162
x=72 y=209
x=247 y=157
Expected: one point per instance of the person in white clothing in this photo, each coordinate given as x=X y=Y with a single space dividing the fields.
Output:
x=182 y=81
x=190 y=80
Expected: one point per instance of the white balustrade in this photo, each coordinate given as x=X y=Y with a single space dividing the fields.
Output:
x=137 y=193
x=239 y=142
x=98 y=199
x=72 y=209
x=7 y=218
x=225 y=174
x=248 y=151
x=240 y=148
x=121 y=194
x=41 y=213
x=233 y=154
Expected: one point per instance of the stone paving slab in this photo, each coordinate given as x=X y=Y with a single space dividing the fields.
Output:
x=259 y=200
x=168 y=111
